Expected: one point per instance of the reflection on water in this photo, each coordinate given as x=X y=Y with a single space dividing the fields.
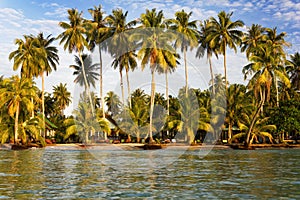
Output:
x=222 y=174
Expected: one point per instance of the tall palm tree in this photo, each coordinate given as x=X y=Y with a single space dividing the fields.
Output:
x=277 y=43
x=188 y=36
x=27 y=57
x=224 y=32
x=74 y=39
x=85 y=71
x=98 y=35
x=155 y=50
x=50 y=60
x=120 y=46
x=16 y=94
x=62 y=96
x=294 y=71
x=235 y=102
x=264 y=65
x=205 y=46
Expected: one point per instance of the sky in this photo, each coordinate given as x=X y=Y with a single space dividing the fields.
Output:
x=20 y=17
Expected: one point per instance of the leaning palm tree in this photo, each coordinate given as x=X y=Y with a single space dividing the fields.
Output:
x=223 y=32
x=205 y=46
x=74 y=39
x=16 y=95
x=188 y=36
x=156 y=50
x=120 y=47
x=264 y=65
x=260 y=128
x=85 y=71
x=62 y=96
x=97 y=36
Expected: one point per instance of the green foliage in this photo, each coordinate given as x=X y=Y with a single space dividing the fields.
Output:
x=287 y=117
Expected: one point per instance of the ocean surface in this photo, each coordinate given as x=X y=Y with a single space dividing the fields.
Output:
x=160 y=174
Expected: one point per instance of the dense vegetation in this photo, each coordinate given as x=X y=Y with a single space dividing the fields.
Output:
x=266 y=109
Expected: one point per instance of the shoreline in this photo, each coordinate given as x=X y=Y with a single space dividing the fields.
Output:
x=139 y=146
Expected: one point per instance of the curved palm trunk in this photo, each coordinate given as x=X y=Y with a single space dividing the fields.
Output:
x=16 y=124
x=86 y=84
x=101 y=82
x=122 y=87
x=151 y=105
x=248 y=139
x=43 y=104
x=186 y=71
x=211 y=75
x=128 y=88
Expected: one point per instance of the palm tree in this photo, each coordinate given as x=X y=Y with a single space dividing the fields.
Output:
x=260 y=128
x=294 y=71
x=222 y=33
x=85 y=71
x=16 y=95
x=235 y=102
x=113 y=103
x=84 y=123
x=26 y=57
x=62 y=96
x=155 y=50
x=204 y=45
x=50 y=60
x=277 y=43
x=120 y=46
x=252 y=39
x=264 y=65
x=74 y=39
x=98 y=36
x=188 y=36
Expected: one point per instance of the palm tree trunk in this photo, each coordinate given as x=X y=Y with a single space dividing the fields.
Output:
x=212 y=76
x=186 y=72
x=128 y=88
x=101 y=82
x=248 y=141
x=151 y=105
x=43 y=104
x=122 y=88
x=225 y=70
x=32 y=112
x=277 y=92
x=229 y=132
x=16 y=123
x=86 y=84
x=167 y=97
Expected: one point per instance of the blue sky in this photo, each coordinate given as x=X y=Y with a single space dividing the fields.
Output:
x=19 y=17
